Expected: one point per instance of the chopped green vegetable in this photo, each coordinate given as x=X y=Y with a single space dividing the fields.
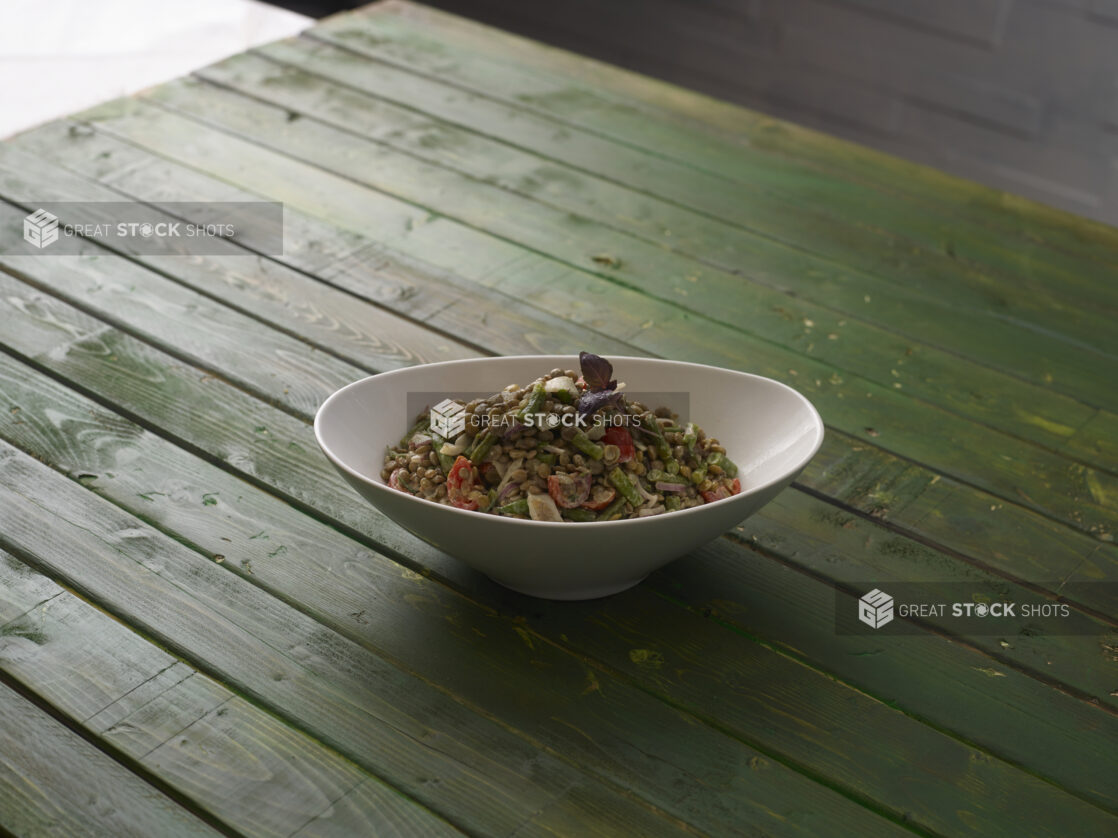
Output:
x=699 y=475
x=648 y=421
x=587 y=446
x=421 y=425
x=717 y=458
x=563 y=388
x=690 y=435
x=672 y=503
x=672 y=467
x=482 y=444
x=546 y=457
x=615 y=508
x=535 y=401
x=625 y=487
x=517 y=507
x=446 y=461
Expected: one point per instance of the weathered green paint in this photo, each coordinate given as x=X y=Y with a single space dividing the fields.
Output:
x=978 y=454
x=380 y=717
x=1013 y=540
x=544 y=692
x=315 y=564
x=733 y=143
x=452 y=192
x=255 y=774
x=575 y=239
x=52 y=782
x=580 y=171
x=117 y=396
x=141 y=575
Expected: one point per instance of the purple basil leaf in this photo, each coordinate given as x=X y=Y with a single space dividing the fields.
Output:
x=590 y=401
x=596 y=371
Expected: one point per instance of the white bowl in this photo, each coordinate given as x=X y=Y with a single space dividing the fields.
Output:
x=767 y=428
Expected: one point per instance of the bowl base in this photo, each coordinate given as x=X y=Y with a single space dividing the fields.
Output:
x=569 y=595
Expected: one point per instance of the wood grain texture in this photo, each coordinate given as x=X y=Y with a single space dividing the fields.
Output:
x=978 y=455
x=878 y=499
x=989 y=225
x=256 y=775
x=733 y=225
x=1018 y=542
x=760 y=729
x=569 y=235
x=883 y=502
x=341 y=284
x=389 y=722
x=283 y=658
x=53 y=782
x=727 y=301
x=699 y=773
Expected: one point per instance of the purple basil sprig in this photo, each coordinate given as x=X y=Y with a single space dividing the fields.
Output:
x=601 y=387
x=596 y=371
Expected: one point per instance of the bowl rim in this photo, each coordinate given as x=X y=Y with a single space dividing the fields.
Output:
x=379 y=485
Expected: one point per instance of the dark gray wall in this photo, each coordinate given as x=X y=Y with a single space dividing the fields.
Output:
x=1018 y=94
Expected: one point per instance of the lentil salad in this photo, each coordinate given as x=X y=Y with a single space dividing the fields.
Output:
x=569 y=446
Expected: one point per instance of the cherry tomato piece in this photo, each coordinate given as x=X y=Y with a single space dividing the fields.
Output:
x=459 y=483
x=600 y=498
x=569 y=492
x=620 y=437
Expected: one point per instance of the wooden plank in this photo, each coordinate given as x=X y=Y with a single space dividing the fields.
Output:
x=52 y=782
x=262 y=539
x=646 y=607
x=145 y=567
x=677 y=123
x=1016 y=541
x=382 y=718
x=954 y=518
x=968 y=502
x=346 y=315
x=937 y=680
x=754 y=310
x=248 y=770
x=21 y=590
x=978 y=455
x=280 y=369
x=1022 y=536
x=656 y=199
x=882 y=486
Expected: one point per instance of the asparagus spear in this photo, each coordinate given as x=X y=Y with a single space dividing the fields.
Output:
x=648 y=421
x=535 y=401
x=625 y=487
x=587 y=446
x=615 y=508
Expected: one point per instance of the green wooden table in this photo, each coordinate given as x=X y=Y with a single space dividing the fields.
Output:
x=204 y=631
